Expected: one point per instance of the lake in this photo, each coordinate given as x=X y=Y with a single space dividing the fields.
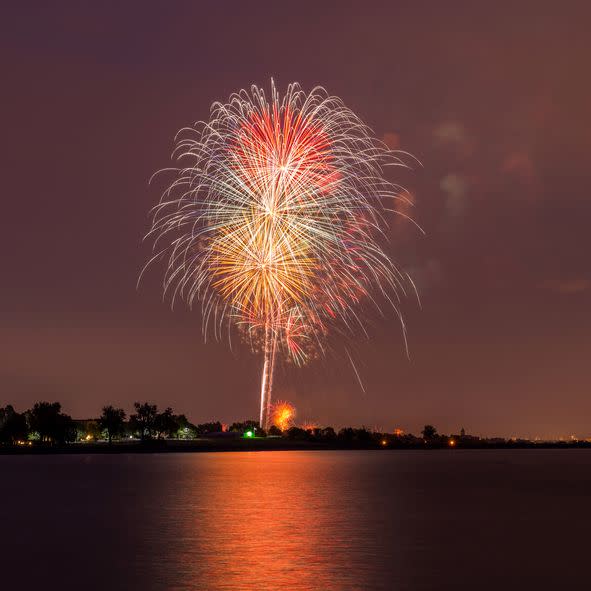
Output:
x=311 y=520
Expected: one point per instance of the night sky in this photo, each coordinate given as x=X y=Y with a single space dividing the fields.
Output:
x=494 y=101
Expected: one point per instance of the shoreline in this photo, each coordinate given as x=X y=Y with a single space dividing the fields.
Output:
x=250 y=445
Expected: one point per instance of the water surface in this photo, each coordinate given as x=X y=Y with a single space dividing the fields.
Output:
x=314 y=520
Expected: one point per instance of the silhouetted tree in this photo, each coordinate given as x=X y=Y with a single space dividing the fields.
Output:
x=346 y=434
x=350 y=434
x=297 y=433
x=88 y=428
x=429 y=432
x=166 y=423
x=363 y=435
x=186 y=429
x=328 y=433
x=143 y=421
x=50 y=423
x=245 y=426
x=112 y=421
x=204 y=428
x=276 y=431
x=13 y=425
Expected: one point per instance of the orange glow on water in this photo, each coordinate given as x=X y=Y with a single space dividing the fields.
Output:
x=266 y=534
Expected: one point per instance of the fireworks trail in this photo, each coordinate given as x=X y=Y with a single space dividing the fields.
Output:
x=274 y=223
x=355 y=370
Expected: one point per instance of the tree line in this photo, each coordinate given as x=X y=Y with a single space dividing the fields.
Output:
x=46 y=424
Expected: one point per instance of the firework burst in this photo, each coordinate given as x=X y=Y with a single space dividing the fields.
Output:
x=276 y=220
x=283 y=415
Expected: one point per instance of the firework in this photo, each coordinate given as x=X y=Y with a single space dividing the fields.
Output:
x=283 y=415
x=274 y=222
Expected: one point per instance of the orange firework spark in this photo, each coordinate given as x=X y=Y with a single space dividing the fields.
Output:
x=275 y=224
x=283 y=415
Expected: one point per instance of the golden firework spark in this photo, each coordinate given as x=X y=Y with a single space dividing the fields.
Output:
x=283 y=415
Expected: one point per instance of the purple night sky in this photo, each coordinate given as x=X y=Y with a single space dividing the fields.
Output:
x=493 y=100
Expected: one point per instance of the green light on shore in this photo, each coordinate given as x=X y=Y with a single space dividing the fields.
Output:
x=248 y=434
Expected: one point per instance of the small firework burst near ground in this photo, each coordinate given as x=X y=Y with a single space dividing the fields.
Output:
x=283 y=415
x=275 y=222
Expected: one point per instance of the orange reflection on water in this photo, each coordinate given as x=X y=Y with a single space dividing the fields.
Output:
x=266 y=520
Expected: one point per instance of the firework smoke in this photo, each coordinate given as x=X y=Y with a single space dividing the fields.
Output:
x=274 y=222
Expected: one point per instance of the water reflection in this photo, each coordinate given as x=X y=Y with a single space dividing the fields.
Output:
x=314 y=521
x=270 y=521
